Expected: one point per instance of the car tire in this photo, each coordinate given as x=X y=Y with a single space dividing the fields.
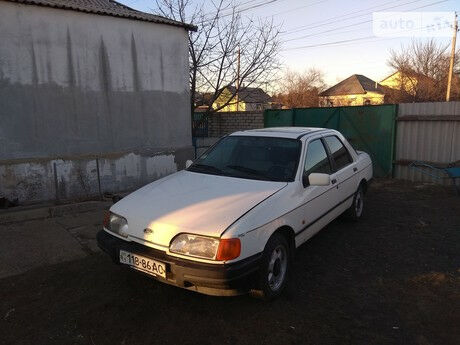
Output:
x=274 y=269
x=356 y=209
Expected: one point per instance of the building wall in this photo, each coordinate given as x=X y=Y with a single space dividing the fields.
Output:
x=345 y=100
x=228 y=122
x=398 y=81
x=257 y=106
x=75 y=87
x=234 y=105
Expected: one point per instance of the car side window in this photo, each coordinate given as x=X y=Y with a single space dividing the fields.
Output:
x=339 y=152
x=317 y=160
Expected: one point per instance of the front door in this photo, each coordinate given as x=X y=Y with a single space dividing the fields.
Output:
x=317 y=200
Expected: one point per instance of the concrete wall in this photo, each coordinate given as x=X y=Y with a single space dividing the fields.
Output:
x=76 y=86
x=222 y=123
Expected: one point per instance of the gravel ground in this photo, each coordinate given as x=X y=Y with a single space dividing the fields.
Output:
x=392 y=278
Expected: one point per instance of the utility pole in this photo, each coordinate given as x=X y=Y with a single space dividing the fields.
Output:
x=238 y=80
x=452 y=58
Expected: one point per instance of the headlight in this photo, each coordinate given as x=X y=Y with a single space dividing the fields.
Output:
x=206 y=247
x=116 y=224
x=193 y=245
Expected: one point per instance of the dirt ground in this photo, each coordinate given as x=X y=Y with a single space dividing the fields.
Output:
x=392 y=278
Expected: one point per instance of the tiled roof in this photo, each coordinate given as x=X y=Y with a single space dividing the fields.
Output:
x=105 y=7
x=356 y=84
x=251 y=94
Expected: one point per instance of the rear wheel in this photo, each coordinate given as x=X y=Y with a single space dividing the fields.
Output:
x=274 y=270
x=356 y=209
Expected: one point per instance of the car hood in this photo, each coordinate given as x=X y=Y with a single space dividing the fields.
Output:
x=190 y=202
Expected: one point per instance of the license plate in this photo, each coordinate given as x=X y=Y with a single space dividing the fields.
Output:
x=143 y=264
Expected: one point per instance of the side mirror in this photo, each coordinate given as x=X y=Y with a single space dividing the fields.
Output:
x=188 y=163
x=317 y=179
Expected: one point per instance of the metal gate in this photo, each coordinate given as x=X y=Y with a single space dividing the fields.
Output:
x=368 y=128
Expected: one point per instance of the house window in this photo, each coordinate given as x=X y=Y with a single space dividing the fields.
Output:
x=367 y=102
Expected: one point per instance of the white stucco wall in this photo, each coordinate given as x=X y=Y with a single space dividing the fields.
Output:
x=75 y=84
x=51 y=34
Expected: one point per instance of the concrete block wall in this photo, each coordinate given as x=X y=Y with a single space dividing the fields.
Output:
x=223 y=123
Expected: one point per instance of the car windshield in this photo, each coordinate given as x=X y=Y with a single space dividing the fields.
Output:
x=259 y=158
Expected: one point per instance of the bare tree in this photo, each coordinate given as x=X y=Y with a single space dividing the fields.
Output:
x=222 y=38
x=301 y=90
x=423 y=68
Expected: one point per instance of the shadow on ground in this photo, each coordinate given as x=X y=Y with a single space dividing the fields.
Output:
x=393 y=278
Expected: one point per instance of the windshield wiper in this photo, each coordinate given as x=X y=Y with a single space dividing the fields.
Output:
x=205 y=168
x=244 y=169
x=253 y=172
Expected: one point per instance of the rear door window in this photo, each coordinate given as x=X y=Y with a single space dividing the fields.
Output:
x=339 y=152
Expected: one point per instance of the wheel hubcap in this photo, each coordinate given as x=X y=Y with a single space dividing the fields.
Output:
x=277 y=267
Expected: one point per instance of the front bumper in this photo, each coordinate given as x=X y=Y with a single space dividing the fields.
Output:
x=212 y=279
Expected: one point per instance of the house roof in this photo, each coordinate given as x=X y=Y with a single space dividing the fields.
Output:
x=356 y=84
x=251 y=94
x=391 y=75
x=105 y=7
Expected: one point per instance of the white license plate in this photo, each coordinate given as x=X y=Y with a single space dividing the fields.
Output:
x=143 y=264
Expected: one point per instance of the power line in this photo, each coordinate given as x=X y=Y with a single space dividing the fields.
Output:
x=349 y=25
x=299 y=8
x=265 y=3
x=329 y=20
x=224 y=10
x=344 y=42
x=360 y=23
x=329 y=43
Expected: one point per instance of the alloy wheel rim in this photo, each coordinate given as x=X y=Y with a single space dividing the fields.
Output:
x=277 y=267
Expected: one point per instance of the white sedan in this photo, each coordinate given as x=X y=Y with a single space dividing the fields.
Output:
x=232 y=220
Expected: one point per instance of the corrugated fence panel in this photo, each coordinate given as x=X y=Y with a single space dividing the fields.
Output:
x=429 y=108
x=456 y=142
x=428 y=132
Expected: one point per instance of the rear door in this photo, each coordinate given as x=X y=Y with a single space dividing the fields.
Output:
x=344 y=169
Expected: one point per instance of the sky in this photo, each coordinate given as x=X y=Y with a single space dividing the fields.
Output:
x=335 y=36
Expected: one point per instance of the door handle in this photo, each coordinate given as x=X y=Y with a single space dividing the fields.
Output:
x=333 y=181
x=355 y=169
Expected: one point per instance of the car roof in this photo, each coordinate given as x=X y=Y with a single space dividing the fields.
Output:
x=281 y=132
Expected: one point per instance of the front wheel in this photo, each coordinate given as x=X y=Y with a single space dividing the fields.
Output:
x=356 y=209
x=274 y=270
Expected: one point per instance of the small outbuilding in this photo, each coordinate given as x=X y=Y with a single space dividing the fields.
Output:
x=94 y=97
x=355 y=90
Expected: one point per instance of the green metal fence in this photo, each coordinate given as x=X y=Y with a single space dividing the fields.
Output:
x=368 y=128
